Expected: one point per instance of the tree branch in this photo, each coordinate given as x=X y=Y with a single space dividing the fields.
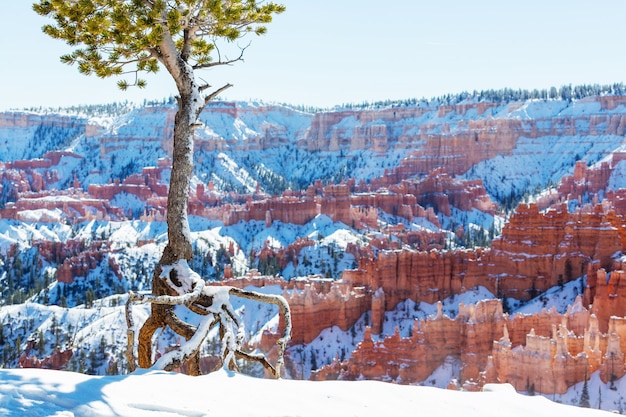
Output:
x=285 y=311
x=216 y=93
x=130 y=335
x=220 y=62
x=180 y=327
x=175 y=358
x=251 y=357
x=186 y=47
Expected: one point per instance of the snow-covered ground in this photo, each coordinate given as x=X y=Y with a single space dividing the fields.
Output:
x=35 y=392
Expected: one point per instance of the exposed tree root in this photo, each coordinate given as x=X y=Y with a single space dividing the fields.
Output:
x=213 y=303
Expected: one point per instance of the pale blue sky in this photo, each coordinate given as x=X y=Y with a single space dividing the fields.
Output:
x=327 y=52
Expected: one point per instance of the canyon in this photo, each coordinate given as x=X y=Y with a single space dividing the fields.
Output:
x=418 y=194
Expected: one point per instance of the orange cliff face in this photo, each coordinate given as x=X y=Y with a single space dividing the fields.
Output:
x=143 y=186
x=440 y=191
x=545 y=352
x=609 y=295
x=590 y=183
x=413 y=359
x=29 y=190
x=437 y=191
x=286 y=254
x=26 y=120
x=315 y=309
x=418 y=275
x=547 y=361
x=535 y=252
x=552 y=361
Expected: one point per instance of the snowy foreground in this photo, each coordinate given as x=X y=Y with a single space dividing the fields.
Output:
x=35 y=392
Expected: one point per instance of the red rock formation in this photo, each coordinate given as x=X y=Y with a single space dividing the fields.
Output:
x=584 y=181
x=284 y=209
x=552 y=363
x=544 y=364
x=536 y=251
x=57 y=360
x=31 y=180
x=79 y=266
x=318 y=303
x=370 y=129
x=546 y=352
x=336 y=203
x=16 y=181
x=109 y=191
x=363 y=217
x=75 y=258
x=418 y=275
x=609 y=294
x=56 y=156
x=74 y=204
x=408 y=360
x=611 y=102
x=143 y=186
x=556 y=245
x=392 y=203
x=29 y=164
x=547 y=361
x=29 y=120
x=589 y=183
x=27 y=192
x=441 y=191
x=255 y=279
x=313 y=311
x=462 y=109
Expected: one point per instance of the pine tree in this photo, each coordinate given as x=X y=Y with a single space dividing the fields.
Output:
x=530 y=387
x=569 y=272
x=599 y=398
x=313 y=361
x=90 y=297
x=134 y=36
x=41 y=342
x=584 y=396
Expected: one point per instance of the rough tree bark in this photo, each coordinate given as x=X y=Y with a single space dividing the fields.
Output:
x=179 y=244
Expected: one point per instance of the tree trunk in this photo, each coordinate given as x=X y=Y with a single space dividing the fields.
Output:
x=179 y=239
